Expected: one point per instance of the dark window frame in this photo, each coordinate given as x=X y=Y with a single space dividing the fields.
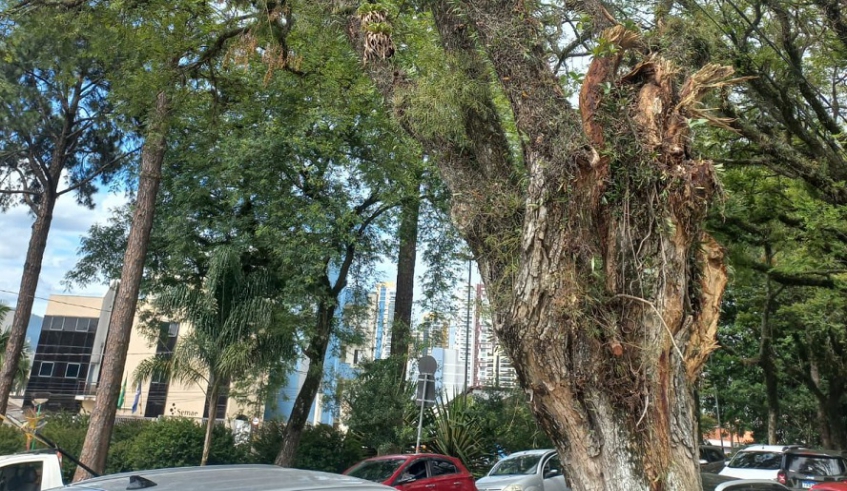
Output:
x=41 y=369
x=78 y=370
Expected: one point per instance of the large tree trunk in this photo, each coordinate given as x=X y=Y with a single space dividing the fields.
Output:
x=605 y=290
x=401 y=326
x=26 y=295
x=315 y=352
x=99 y=434
x=211 y=420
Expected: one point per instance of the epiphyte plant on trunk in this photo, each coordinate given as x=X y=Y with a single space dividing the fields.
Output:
x=605 y=289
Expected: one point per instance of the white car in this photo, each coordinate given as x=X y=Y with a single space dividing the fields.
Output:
x=530 y=470
x=756 y=462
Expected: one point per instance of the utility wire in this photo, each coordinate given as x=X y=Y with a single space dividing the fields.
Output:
x=58 y=301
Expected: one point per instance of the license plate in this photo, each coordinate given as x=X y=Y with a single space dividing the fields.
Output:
x=807 y=484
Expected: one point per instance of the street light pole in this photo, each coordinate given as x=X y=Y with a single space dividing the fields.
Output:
x=468 y=325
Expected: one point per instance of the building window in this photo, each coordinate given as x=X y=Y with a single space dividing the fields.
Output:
x=72 y=371
x=56 y=325
x=46 y=369
x=83 y=324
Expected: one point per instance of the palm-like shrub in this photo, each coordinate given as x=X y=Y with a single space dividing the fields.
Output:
x=24 y=365
x=231 y=332
x=457 y=430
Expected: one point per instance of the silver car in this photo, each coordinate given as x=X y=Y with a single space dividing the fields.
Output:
x=530 y=470
x=227 y=478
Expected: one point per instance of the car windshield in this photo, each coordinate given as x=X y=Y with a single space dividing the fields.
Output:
x=756 y=460
x=816 y=465
x=376 y=470
x=524 y=464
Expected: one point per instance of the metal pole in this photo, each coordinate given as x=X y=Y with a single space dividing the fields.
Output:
x=468 y=325
x=720 y=427
x=420 y=416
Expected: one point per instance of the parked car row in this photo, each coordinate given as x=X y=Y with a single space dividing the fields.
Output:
x=755 y=468
x=792 y=466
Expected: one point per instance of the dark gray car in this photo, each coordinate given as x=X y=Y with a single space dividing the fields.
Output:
x=227 y=478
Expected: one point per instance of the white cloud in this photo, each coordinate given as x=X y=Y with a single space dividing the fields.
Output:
x=70 y=222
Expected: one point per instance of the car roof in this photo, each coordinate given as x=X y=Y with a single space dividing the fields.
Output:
x=711 y=481
x=770 y=482
x=816 y=451
x=537 y=451
x=16 y=456
x=230 y=478
x=766 y=448
x=407 y=456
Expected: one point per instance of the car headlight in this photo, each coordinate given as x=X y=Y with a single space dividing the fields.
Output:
x=513 y=487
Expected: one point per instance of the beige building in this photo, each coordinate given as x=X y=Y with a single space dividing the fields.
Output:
x=68 y=358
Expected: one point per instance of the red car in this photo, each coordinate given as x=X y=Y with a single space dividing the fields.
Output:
x=830 y=486
x=417 y=472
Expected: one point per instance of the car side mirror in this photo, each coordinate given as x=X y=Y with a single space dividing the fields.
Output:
x=551 y=473
x=703 y=461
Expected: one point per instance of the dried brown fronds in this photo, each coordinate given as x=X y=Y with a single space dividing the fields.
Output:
x=622 y=37
x=708 y=78
x=378 y=44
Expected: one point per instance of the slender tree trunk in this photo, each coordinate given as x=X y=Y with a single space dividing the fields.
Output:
x=401 y=332
x=315 y=353
x=26 y=296
x=766 y=354
x=214 y=390
x=98 y=437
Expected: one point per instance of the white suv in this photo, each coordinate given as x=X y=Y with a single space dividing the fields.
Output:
x=756 y=462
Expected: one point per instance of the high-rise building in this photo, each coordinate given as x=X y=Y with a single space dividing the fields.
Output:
x=383 y=318
x=493 y=367
x=462 y=332
x=432 y=332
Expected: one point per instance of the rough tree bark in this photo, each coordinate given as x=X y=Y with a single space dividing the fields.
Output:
x=98 y=437
x=401 y=326
x=604 y=287
x=26 y=293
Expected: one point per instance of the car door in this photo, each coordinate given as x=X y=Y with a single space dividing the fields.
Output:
x=414 y=477
x=447 y=477
x=553 y=476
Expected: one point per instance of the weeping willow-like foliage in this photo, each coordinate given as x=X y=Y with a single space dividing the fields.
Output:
x=230 y=328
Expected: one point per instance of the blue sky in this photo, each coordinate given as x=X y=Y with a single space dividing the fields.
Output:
x=70 y=222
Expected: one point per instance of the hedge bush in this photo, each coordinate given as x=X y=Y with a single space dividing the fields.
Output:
x=322 y=448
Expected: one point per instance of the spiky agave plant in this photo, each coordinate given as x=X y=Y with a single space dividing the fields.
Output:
x=457 y=429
